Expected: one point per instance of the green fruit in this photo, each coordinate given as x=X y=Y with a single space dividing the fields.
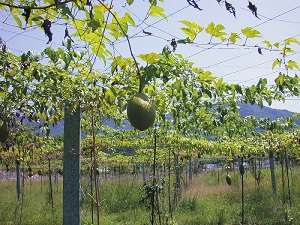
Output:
x=141 y=112
x=3 y=132
x=242 y=169
x=228 y=179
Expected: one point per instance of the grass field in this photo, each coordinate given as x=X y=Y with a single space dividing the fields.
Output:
x=206 y=200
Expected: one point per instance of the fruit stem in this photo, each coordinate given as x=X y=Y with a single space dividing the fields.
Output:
x=141 y=82
x=129 y=45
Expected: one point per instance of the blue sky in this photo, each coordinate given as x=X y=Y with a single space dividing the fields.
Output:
x=235 y=63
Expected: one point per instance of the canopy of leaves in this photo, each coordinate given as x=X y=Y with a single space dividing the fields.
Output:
x=41 y=86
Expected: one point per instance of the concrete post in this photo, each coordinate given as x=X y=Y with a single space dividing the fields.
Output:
x=71 y=168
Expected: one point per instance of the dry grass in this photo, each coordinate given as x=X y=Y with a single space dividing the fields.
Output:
x=200 y=189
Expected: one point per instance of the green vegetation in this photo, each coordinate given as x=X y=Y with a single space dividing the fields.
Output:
x=41 y=87
x=204 y=201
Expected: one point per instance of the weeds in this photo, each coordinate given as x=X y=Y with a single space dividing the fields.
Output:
x=203 y=202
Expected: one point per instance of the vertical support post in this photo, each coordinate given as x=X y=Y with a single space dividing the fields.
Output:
x=169 y=185
x=154 y=181
x=287 y=176
x=143 y=172
x=18 y=185
x=190 y=170
x=177 y=172
x=71 y=165
x=272 y=169
x=243 y=195
x=196 y=163
x=50 y=184
x=98 y=182
x=282 y=178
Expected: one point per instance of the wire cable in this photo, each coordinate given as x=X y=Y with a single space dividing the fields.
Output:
x=270 y=19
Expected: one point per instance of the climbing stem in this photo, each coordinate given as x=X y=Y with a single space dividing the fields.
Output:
x=129 y=45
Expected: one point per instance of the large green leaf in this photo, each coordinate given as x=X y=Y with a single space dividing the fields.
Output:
x=268 y=43
x=288 y=41
x=128 y=19
x=233 y=37
x=18 y=21
x=216 y=30
x=292 y=65
x=249 y=32
x=65 y=11
x=276 y=62
x=98 y=15
x=150 y=57
x=192 y=29
x=94 y=25
x=157 y=11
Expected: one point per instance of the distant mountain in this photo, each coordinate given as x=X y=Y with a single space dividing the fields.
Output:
x=265 y=112
x=245 y=110
x=59 y=127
